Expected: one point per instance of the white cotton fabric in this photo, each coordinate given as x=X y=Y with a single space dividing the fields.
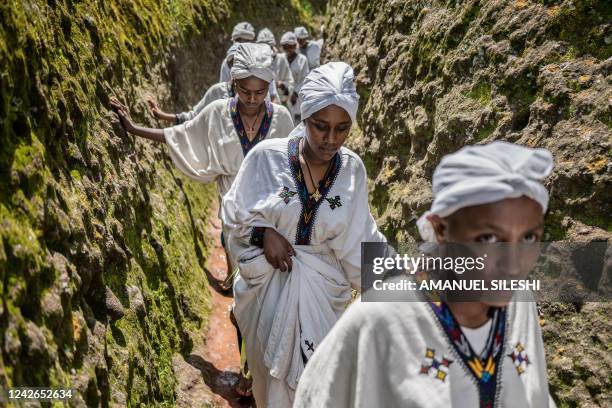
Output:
x=207 y=148
x=330 y=84
x=231 y=51
x=288 y=38
x=219 y=90
x=312 y=52
x=299 y=70
x=253 y=59
x=283 y=74
x=272 y=306
x=265 y=36
x=243 y=30
x=373 y=355
x=484 y=174
x=301 y=32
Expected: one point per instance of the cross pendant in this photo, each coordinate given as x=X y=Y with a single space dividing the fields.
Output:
x=316 y=195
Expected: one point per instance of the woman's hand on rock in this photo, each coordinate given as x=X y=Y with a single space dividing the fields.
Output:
x=124 y=114
x=154 y=108
x=278 y=250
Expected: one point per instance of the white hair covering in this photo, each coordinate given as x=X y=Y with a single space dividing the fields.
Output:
x=231 y=51
x=266 y=36
x=329 y=84
x=484 y=174
x=288 y=38
x=253 y=60
x=301 y=32
x=243 y=30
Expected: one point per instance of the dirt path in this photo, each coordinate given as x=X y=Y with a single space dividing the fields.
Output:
x=208 y=376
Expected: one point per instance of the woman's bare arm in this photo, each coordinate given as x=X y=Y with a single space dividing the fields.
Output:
x=160 y=114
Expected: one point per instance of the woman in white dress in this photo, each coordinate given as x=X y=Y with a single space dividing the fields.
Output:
x=310 y=49
x=220 y=90
x=284 y=78
x=299 y=69
x=212 y=145
x=298 y=212
x=428 y=352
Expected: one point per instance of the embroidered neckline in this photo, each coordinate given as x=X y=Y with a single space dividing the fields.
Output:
x=309 y=204
x=484 y=368
x=264 y=128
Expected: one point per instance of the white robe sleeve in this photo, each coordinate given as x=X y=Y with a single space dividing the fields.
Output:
x=241 y=207
x=285 y=74
x=361 y=227
x=224 y=73
x=314 y=55
x=302 y=74
x=206 y=99
x=195 y=150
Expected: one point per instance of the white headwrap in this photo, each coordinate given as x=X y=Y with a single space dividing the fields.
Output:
x=483 y=174
x=253 y=60
x=288 y=38
x=301 y=32
x=266 y=36
x=329 y=84
x=243 y=30
x=231 y=51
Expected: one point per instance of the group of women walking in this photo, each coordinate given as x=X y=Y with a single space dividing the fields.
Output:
x=294 y=211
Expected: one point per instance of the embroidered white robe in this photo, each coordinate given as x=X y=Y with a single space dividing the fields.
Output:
x=208 y=148
x=396 y=354
x=284 y=316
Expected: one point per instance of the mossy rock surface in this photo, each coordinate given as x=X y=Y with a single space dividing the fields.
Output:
x=102 y=241
x=436 y=75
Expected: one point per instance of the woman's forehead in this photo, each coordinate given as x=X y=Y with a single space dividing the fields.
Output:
x=522 y=211
x=252 y=84
x=331 y=113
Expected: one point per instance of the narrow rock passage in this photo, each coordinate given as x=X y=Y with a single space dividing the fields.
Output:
x=209 y=375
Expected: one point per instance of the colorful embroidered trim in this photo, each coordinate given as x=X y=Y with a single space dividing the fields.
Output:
x=519 y=358
x=432 y=366
x=309 y=205
x=264 y=128
x=286 y=194
x=334 y=202
x=257 y=235
x=484 y=367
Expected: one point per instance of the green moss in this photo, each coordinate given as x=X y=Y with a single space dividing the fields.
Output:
x=481 y=92
x=125 y=219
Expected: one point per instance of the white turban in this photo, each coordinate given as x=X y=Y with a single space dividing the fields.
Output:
x=231 y=51
x=288 y=38
x=243 y=30
x=301 y=32
x=253 y=60
x=329 y=84
x=265 y=36
x=484 y=174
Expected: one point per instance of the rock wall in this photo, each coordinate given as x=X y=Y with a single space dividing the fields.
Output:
x=437 y=75
x=102 y=242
